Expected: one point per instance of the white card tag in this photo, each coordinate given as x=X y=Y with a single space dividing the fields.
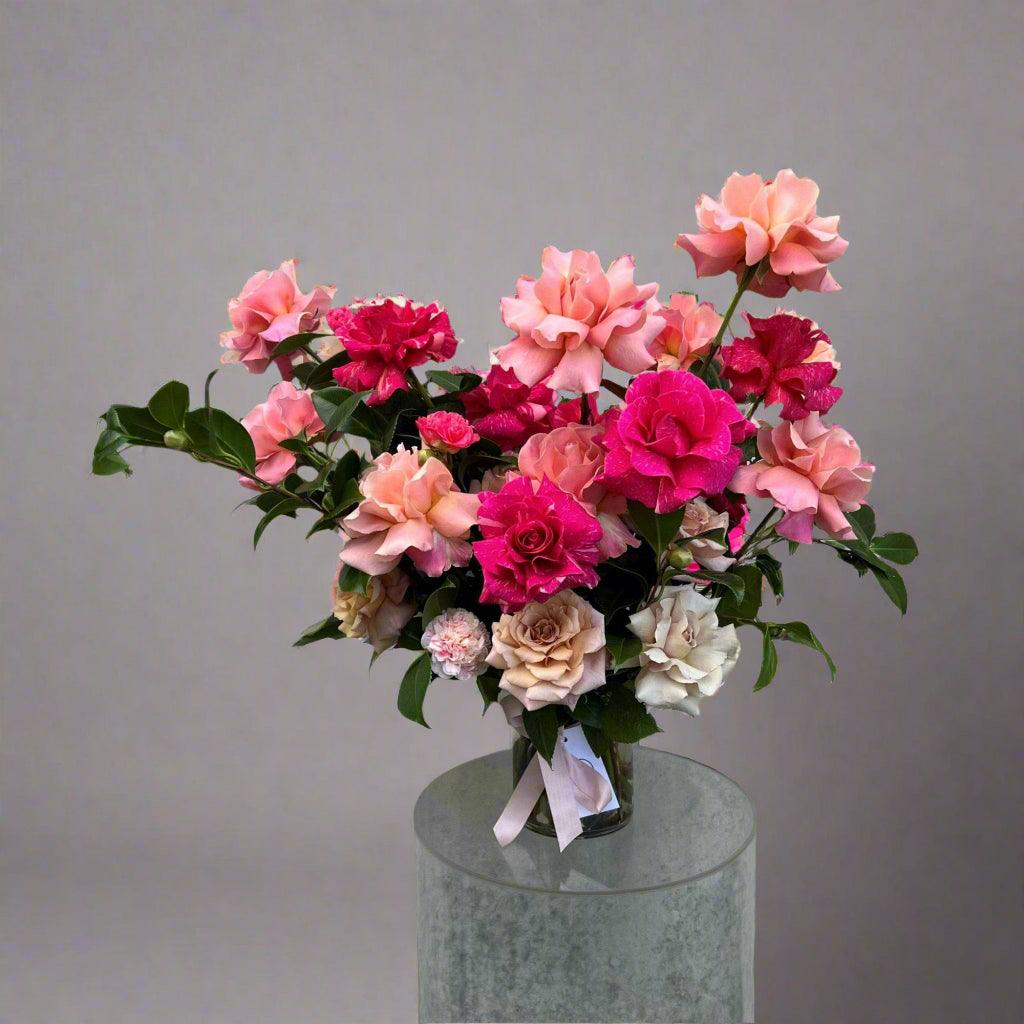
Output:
x=576 y=744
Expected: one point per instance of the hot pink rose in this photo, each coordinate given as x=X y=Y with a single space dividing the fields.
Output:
x=409 y=509
x=286 y=413
x=739 y=516
x=505 y=410
x=269 y=309
x=674 y=439
x=813 y=472
x=752 y=218
x=446 y=432
x=385 y=338
x=537 y=541
x=576 y=317
x=690 y=328
x=571 y=458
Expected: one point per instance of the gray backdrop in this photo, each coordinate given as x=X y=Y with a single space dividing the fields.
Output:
x=203 y=824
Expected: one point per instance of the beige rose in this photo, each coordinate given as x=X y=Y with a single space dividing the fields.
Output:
x=551 y=653
x=699 y=517
x=378 y=615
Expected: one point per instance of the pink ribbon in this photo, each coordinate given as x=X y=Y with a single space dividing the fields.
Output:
x=568 y=782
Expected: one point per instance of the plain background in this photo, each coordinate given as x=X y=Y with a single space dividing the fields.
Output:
x=203 y=824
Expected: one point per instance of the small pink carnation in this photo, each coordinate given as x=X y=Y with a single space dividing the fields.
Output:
x=458 y=643
x=385 y=337
x=753 y=218
x=575 y=318
x=538 y=540
x=446 y=432
x=287 y=412
x=269 y=309
x=813 y=472
x=505 y=410
x=674 y=439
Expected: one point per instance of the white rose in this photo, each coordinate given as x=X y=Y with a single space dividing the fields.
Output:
x=686 y=655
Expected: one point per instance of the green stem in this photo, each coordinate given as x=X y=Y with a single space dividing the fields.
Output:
x=744 y=284
x=418 y=387
x=759 y=532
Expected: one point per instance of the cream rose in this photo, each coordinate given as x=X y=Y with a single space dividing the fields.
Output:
x=686 y=655
x=378 y=615
x=699 y=517
x=551 y=653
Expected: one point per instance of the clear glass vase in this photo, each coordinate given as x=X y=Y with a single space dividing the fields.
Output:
x=618 y=762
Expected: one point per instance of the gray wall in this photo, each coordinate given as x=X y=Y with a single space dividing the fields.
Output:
x=203 y=824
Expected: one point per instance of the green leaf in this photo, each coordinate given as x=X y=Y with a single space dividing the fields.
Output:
x=326 y=629
x=105 y=458
x=732 y=581
x=285 y=507
x=413 y=689
x=771 y=569
x=335 y=406
x=623 y=648
x=599 y=743
x=365 y=421
x=892 y=583
x=801 y=633
x=487 y=684
x=900 y=548
x=769 y=658
x=863 y=522
x=542 y=728
x=793 y=546
x=454 y=382
x=295 y=342
x=350 y=495
x=136 y=424
x=658 y=530
x=440 y=600
x=353 y=581
x=749 y=605
x=169 y=405
x=623 y=718
x=231 y=438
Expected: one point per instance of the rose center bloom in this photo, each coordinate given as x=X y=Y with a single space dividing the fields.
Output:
x=534 y=538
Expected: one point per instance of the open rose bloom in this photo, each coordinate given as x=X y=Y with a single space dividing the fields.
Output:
x=594 y=526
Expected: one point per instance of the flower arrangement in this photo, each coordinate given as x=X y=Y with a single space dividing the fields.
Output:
x=569 y=531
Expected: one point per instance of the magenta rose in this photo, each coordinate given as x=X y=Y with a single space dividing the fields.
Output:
x=385 y=337
x=674 y=439
x=538 y=540
x=505 y=410
x=446 y=432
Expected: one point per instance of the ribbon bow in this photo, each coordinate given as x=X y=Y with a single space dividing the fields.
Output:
x=569 y=783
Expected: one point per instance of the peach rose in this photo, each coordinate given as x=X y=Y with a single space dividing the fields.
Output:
x=690 y=327
x=752 y=219
x=813 y=472
x=379 y=615
x=269 y=309
x=286 y=413
x=550 y=653
x=409 y=509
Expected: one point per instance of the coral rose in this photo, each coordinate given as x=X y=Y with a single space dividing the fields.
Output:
x=446 y=432
x=575 y=318
x=571 y=458
x=813 y=472
x=269 y=309
x=537 y=540
x=505 y=410
x=387 y=336
x=674 y=439
x=775 y=365
x=409 y=509
x=287 y=412
x=752 y=219
x=550 y=653
x=690 y=328
x=379 y=615
x=458 y=643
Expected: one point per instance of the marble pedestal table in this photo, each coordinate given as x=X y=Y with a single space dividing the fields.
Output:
x=652 y=923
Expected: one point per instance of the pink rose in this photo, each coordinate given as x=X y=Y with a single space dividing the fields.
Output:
x=446 y=432
x=813 y=472
x=269 y=309
x=385 y=338
x=409 y=509
x=674 y=439
x=752 y=218
x=537 y=540
x=505 y=410
x=571 y=457
x=739 y=516
x=690 y=328
x=576 y=317
x=286 y=413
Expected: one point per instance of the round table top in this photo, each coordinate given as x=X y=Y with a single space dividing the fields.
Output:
x=689 y=821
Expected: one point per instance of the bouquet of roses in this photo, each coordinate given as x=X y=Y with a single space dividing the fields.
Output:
x=569 y=530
